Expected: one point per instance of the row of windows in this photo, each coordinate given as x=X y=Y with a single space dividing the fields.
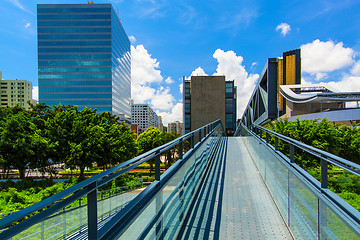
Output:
x=74 y=69
x=73 y=36
x=76 y=95
x=78 y=76
x=83 y=56
x=85 y=23
x=99 y=108
x=74 y=43
x=73 y=16
x=79 y=50
x=77 y=102
x=74 y=89
x=75 y=30
x=70 y=10
x=72 y=83
x=73 y=63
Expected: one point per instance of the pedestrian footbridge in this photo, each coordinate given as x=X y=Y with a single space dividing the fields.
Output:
x=221 y=187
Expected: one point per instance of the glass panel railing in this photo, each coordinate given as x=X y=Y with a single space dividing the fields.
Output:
x=308 y=214
x=163 y=216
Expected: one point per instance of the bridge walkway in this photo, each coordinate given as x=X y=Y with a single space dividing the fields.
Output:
x=248 y=210
x=233 y=201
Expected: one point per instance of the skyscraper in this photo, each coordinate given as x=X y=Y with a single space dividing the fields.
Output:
x=84 y=58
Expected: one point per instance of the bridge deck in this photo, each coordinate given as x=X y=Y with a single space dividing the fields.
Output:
x=247 y=209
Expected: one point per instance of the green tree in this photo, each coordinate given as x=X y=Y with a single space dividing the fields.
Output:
x=18 y=139
x=149 y=140
x=117 y=141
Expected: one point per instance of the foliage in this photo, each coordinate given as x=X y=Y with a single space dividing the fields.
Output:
x=337 y=139
x=15 y=196
x=153 y=138
x=40 y=137
x=334 y=138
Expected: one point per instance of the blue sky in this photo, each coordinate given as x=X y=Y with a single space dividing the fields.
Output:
x=172 y=39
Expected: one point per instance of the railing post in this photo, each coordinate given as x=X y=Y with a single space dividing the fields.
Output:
x=157 y=166
x=64 y=227
x=181 y=150
x=200 y=135
x=192 y=140
x=80 y=216
x=324 y=174
x=276 y=143
x=92 y=212
x=267 y=137
x=292 y=153
x=260 y=133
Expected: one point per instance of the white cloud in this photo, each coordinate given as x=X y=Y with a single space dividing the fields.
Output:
x=176 y=114
x=320 y=57
x=146 y=81
x=169 y=80
x=27 y=25
x=320 y=75
x=17 y=4
x=132 y=39
x=347 y=84
x=162 y=99
x=284 y=27
x=35 y=93
x=198 y=72
x=144 y=68
x=356 y=69
x=181 y=88
x=231 y=66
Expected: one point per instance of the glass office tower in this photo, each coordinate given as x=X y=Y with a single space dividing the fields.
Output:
x=84 y=58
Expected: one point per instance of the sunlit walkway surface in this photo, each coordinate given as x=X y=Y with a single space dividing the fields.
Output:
x=248 y=210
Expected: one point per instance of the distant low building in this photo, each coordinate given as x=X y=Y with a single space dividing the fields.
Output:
x=175 y=127
x=144 y=117
x=16 y=92
x=318 y=101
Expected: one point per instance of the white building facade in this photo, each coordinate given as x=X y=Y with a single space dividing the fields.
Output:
x=144 y=117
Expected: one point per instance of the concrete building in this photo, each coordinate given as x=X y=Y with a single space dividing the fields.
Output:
x=84 y=58
x=205 y=100
x=16 y=92
x=175 y=127
x=144 y=116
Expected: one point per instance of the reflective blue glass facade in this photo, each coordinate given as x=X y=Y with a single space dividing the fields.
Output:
x=84 y=58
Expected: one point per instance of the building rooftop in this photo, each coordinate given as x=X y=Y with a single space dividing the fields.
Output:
x=316 y=93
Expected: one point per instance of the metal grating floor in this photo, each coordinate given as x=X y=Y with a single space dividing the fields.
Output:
x=247 y=209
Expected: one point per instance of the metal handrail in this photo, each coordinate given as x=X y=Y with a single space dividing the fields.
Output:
x=89 y=186
x=323 y=155
x=325 y=159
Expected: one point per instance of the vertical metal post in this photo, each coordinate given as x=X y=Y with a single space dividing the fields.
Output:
x=92 y=212
x=261 y=134
x=192 y=140
x=276 y=143
x=157 y=166
x=324 y=174
x=267 y=137
x=200 y=135
x=181 y=150
x=80 y=216
x=292 y=153
x=64 y=227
